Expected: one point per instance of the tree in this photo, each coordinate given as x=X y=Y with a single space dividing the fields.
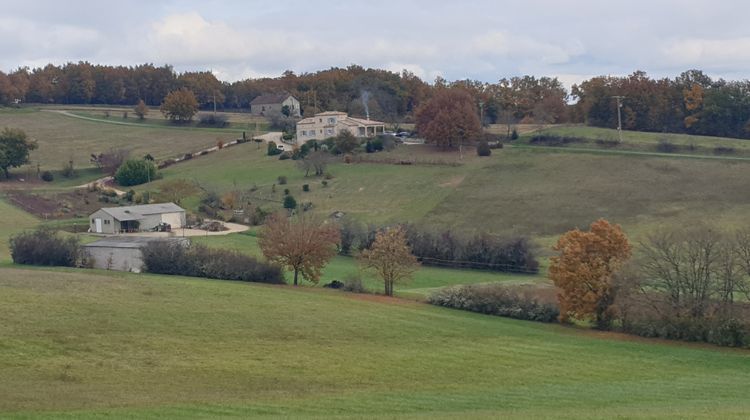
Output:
x=290 y=203
x=179 y=105
x=449 y=119
x=317 y=161
x=300 y=244
x=483 y=148
x=135 y=172
x=141 y=110
x=390 y=258
x=14 y=149
x=346 y=142
x=583 y=271
x=109 y=161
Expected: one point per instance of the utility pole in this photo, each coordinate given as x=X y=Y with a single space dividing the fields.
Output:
x=214 y=104
x=619 y=116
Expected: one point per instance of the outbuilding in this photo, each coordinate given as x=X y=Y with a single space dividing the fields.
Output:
x=122 y=253
x=146 y=217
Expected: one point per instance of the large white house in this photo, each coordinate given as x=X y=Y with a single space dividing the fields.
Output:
x=332 y=123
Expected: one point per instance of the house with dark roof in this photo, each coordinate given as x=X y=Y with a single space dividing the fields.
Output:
x=274 y=103
x=114 y=220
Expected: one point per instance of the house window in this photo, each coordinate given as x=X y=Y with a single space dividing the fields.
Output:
x=321 y=131
x=329 y=131
x=106 y=222
x=331 y=120
x=304 y=132
x=263 y=108
x=320 y=120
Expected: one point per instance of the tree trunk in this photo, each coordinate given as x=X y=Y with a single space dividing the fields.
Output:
x=296 y=271
x=6 y=171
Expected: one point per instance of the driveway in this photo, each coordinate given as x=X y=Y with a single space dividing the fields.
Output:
x=180 y=232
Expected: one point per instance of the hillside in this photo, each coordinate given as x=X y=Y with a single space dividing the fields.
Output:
x=150 y=346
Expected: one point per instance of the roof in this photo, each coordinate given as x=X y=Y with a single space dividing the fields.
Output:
x=329 y=113
x=271 y=98
x=137 y=212
x=130 y=241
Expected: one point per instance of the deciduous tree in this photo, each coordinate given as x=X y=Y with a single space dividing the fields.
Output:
x=14 y=149
x=180 y=105
x=300 y=243
x=449 y=119
x=390 y=258
x=583 y=271
x=141 y=110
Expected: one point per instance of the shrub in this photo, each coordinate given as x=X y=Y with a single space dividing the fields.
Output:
x=282 y=180
x=285 y=155
x=290 y=203
x=273 y=149
x=187 y=156
x=286 y=191
x=44 y=247
x=125 y=115
x=164 y=257
x=324 y=183
x=554 y=140
x=665 y=146
x=68 y=170
x=520 y=302
x=514 y=134
x=721 y=150
x=47 y=176
x=607 y=142
x=209 y=118
x=306 y=187
x=483 y=149
x=135 y=172
x=219 y=144
x=353 y=283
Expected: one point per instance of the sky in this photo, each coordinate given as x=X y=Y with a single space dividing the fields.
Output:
x=479 y=40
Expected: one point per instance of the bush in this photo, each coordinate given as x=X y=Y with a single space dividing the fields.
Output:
x=306 y=187
x=216 y=120
x=282 y=180
x=514 y=135
x=47 y=176
x=483 y=149
x=285 y=155
x=324 y=183
x=273 y=149
x=519 y=302
x=187 y=156
x=44 y=247
x=665 y=146
x=68 y=170
x=290 y=203
x=721 y=150
x=554 y=140
x=164 y=257
x=722 y=332
x=135 y=172
x=353 y=283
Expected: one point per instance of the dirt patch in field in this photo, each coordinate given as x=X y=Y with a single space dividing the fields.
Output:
x=453 y=182
x=56 y=205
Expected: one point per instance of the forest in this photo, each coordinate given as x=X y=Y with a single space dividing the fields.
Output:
x=691 y=102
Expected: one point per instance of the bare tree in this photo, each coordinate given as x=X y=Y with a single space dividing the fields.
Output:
x=316 y=161
x=109 y=161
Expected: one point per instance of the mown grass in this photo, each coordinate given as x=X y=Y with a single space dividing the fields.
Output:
x=12 y=222
x=62 y=138
x=425 y=281
x=143 y=346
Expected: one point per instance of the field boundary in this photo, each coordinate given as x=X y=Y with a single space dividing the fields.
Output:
x=142 y=125
x=628 y=152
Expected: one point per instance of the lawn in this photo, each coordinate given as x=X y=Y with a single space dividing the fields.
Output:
x=143 y=346
x=426 y=280
x=13 y=221
x=62 y=138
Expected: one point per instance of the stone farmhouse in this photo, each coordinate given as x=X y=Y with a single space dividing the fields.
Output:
x=332 y=123
x=114 y=220
x=273 y=103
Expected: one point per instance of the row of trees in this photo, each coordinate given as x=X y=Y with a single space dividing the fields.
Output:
x=693 y=284
x=691 y=103
x=387 y=95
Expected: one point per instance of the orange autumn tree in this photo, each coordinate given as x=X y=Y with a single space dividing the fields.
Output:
x=390 y=258
x=583 y=271
x=299 y=243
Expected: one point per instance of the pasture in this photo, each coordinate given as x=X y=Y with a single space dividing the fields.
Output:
x=146 y=346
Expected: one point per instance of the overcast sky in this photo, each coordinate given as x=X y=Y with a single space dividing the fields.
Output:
x=484 y=40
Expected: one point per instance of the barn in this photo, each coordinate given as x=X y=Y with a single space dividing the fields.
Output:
x=146 y=217
x=121 y=253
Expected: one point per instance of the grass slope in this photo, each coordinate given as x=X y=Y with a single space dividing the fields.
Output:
x=13 y=221
x=62 y=138
x=150 y=346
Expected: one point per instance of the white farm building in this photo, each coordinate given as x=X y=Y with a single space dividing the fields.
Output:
x=114 y=220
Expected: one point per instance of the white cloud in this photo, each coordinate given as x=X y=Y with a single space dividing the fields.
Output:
x=511 y=46
x=709 y=53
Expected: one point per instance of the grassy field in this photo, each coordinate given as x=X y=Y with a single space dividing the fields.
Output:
x=535 y=192
x=643 y=141
x=143 y=346
x=62 y=138
x=13 y=221
x=425 y=281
